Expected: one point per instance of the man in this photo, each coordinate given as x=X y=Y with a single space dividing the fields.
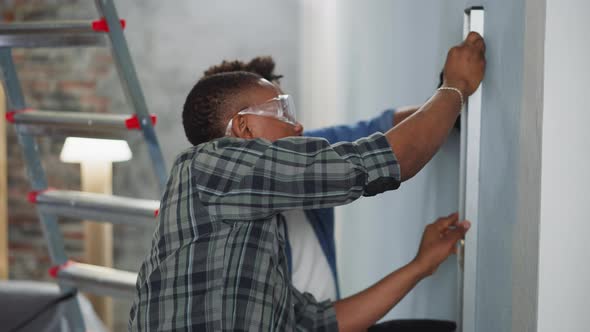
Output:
x=218 y=258
x=311 y=250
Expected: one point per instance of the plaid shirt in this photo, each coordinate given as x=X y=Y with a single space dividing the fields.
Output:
x=218 y=260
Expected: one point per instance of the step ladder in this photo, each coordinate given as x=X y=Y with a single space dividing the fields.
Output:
x=29 y=123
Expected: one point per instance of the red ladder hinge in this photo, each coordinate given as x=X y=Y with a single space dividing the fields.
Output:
x=102 y=26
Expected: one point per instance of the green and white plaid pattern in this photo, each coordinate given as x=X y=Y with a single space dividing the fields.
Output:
x=218 y=259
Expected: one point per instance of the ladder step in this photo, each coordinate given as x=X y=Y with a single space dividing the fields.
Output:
x=95 y=279
x=56 y=123
x=97 y=207
x=50 y=34
x=54 y=34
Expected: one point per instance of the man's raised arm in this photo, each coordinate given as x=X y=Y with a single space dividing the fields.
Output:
x=416 y=140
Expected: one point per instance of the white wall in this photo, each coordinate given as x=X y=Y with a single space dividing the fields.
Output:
x=320 y=64
x=564 y=253
x=499 y=227
x=525 y=234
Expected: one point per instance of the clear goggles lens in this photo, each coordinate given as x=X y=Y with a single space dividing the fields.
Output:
x=281 y=108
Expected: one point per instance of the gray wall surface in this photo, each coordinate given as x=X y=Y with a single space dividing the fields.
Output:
x=392 y=49
x=391 y=55
x=499 y=164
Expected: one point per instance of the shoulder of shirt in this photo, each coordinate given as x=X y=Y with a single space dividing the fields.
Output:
x=230 y=147
x=258 y=145
x=233 y=143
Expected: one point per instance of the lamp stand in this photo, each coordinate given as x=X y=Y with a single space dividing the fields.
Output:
x=96 y=177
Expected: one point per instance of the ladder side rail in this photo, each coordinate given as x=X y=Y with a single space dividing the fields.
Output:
x=17 y=102
x=34 y=167
x=36 y=175
x=132 y=88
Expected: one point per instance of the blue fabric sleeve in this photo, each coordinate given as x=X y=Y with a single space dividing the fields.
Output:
x=349 y=133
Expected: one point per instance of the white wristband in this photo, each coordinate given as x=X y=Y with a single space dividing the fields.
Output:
x=453 y=89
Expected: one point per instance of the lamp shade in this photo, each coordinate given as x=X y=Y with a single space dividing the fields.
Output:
x=78 y=149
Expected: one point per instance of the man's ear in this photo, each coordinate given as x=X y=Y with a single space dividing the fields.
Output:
x=240 y=127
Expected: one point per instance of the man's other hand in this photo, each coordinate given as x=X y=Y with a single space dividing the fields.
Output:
x=465 y=65
x=439 y=241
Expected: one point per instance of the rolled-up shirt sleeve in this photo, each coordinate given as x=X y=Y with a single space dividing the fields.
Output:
x=253 y=179
x=311 y=315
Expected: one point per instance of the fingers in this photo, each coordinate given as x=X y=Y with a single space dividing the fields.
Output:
x=458 y=233
x=465 y=65
x=478 y=42
x=474 y=38
x=445 y=222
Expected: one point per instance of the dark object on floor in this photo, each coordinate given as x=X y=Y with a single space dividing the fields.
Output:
x=414 y=325
x=39 y=307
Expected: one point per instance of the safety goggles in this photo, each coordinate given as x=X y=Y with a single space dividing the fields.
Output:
x=281 y=108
